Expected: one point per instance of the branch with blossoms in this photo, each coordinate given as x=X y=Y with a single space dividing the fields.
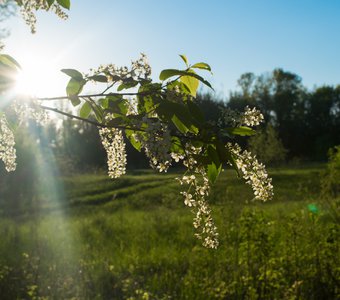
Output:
x=162 y=119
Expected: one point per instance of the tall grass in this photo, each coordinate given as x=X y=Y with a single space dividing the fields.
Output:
x=132 y=238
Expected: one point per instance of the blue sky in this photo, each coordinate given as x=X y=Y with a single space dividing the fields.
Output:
x=232 y=36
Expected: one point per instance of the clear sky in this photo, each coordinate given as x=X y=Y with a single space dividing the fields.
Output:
x=301 y=36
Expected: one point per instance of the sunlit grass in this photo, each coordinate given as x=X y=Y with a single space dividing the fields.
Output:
x=141 y=238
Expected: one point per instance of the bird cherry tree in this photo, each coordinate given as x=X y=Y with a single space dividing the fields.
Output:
x=159 y=117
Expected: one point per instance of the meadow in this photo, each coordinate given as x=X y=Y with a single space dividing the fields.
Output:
x=132 y=238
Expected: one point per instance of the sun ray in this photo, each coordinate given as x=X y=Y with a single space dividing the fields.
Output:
x=38 y=77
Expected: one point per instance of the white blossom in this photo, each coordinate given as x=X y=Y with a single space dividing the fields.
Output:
x=140 y=69
x=28 y=9
x=30 y=110
x=195 y=198
x=251 y=117
x=156 y=141
x=253 y=172
x=113 y=142
x=7 y=143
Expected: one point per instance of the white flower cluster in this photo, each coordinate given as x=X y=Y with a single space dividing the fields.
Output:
x=156 y=141
x=7 y=150
x=30 y=110
x=113 y=142
x=253 y=172
x=28 y=9
x=140 y=69
x=251 y=117
x=195 y=198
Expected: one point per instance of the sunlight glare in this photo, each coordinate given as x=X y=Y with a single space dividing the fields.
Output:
x=38 y=77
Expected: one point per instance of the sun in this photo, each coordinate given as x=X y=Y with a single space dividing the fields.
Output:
x=38 y=77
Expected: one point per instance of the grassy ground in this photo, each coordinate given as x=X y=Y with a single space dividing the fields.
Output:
x=133 y=238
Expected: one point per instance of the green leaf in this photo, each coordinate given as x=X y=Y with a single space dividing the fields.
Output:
x=207 y=83
x=104 y=103
x=74 y=100
x=165 y=74
x=191 y=83
x=195 y=111
x=178 y=114
x=112 y=99
x=98 y=78
x=182 y=87
x=116 y=122
x=176 y=145
x=73 y=73
x=8 y=72
x=145 y=104
x=242 y=131
x=202 y=66
x=85 y=110
x=9 y=61
x=213 y=171
x=98 y=114
x=127 y=85
x=65 y=3
x=115 y=104
x=73 y=88
x=202 y=160
x=122 y=106
x=179 y=124
x=136 y=144
x=184 y=58
x=213 y=155
x=222 y=152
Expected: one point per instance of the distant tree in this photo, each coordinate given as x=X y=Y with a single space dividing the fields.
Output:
x=281 y=97
x=240 y=99
x=262 y=94
x=246 y=82
x=322 y=115
x=289 y=110
x=267 y=146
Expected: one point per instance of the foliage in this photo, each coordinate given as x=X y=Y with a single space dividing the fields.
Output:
x=331 y=180
x=267 y=146
x=330 y=183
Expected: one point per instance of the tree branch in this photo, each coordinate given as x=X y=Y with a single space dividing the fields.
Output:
x=87 y=120
x=96 y=95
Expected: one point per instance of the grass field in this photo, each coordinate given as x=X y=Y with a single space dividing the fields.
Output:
x=132 y=238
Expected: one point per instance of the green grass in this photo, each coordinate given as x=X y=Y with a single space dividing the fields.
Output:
x=133 y=238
